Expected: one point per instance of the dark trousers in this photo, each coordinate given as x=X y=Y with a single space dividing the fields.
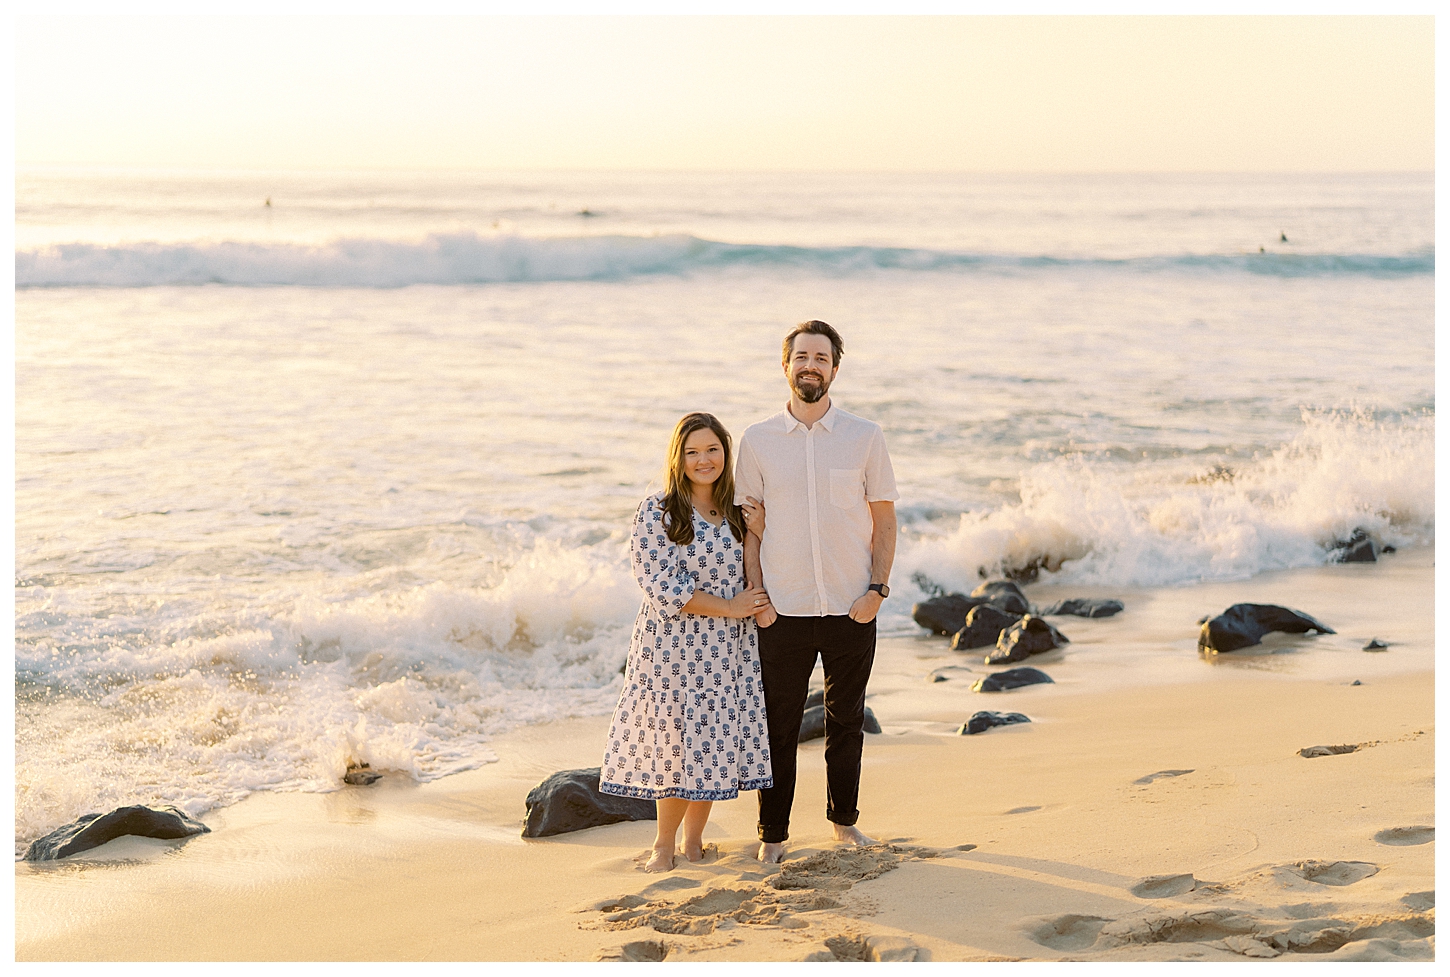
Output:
x=788 y=650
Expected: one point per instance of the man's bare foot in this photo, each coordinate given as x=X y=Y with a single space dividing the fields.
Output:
x=694 y=850
x=770 y=852
x=662 y=860
x=851 y=835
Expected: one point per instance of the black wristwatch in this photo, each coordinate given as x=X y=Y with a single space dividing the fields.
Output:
x=881 y=589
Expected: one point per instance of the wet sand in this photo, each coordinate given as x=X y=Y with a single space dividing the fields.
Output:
x=1156 y=807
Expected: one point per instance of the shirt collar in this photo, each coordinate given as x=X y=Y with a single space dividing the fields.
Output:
x=827 y=421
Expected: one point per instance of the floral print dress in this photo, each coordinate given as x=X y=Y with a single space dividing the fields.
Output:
x=691 y=717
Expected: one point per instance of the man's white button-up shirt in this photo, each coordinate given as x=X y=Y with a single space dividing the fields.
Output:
x=815 y=483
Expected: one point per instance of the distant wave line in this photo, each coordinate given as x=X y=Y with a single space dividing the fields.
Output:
x=469 y=259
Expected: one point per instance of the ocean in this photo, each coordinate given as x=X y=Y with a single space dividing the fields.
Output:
x=315 y=469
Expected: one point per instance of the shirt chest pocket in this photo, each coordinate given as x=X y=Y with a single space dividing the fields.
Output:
x=848 y=487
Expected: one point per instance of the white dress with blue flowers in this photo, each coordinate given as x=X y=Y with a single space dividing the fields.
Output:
x=691 y=717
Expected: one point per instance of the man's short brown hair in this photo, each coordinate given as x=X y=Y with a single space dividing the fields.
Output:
x=820 y=329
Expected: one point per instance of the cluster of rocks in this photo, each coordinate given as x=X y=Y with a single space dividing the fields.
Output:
x=997 y=615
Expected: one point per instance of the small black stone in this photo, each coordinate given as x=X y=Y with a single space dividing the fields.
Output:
x=986 y=720
x=1375 y=644
x=361 y=776
x=1084 y=607
x=1013 y=678
x=1359 y=548
x=93 y=830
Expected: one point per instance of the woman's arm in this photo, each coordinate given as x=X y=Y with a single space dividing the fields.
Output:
x=747 y=603
x=754 y=511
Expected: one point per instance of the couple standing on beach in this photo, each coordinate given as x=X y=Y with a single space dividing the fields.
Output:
x=736 y=613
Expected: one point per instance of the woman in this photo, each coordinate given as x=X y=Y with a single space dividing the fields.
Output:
x=690 y=725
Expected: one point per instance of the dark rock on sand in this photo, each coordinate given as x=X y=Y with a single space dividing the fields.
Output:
x=1245 y=624
x=570 y=800
x=1085 y=607
x=986 y=720
x=1375 y=644
x=361 y=776
x=1359 y=548
x=93 y=830
x=1013 y=678
x=983 y=625
x=1029 y=636
x=1004 y=594
x=944 y=614
x=813 y=721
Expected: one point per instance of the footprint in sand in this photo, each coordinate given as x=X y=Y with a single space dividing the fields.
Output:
x=1191 y=927
x=1418 y=834
x=1419 y=901
x=1069 y=932
x=1337 y=750
x=850 y=948
x=1332 y=873
x=672 y=884
x=638 y=951
x=841 y=868
x=1164 y=886
x=1160 y=775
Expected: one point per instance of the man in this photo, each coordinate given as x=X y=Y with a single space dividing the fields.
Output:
x=830 y=536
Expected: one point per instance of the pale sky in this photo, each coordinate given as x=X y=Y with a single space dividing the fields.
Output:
x=1005 y=94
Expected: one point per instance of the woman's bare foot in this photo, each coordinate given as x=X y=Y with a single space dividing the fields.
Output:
x=661 y=860
x=770 y=852
x=694 y=850
x=851 y=835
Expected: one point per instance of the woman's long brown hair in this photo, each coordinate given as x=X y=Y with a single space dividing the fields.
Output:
x=676 y=501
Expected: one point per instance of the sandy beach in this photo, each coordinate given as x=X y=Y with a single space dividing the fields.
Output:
x=1156 y=807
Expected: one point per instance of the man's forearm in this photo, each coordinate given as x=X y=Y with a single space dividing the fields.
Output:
x=883 y=540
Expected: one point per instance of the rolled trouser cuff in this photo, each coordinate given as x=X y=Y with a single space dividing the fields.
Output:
x=844 y=820
x=774 y=834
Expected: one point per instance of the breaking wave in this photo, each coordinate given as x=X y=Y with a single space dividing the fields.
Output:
x=1085 y=520
x=465 y=259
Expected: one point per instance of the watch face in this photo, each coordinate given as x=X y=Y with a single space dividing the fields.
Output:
x=881 y=589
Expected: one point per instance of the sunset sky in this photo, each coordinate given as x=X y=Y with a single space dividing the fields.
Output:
x=842 y=93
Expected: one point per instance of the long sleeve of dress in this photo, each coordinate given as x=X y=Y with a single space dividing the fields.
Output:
x=656 y=560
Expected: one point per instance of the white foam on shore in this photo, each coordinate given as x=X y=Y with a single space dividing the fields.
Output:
x=1101 y=523
x=417 y=679
x=413 y=682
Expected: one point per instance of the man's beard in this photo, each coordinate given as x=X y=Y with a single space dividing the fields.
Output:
x=811 y=390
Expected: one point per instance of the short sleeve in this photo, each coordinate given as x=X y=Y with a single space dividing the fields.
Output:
x=656 y=561
x=880 y=477
x=749 y=480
